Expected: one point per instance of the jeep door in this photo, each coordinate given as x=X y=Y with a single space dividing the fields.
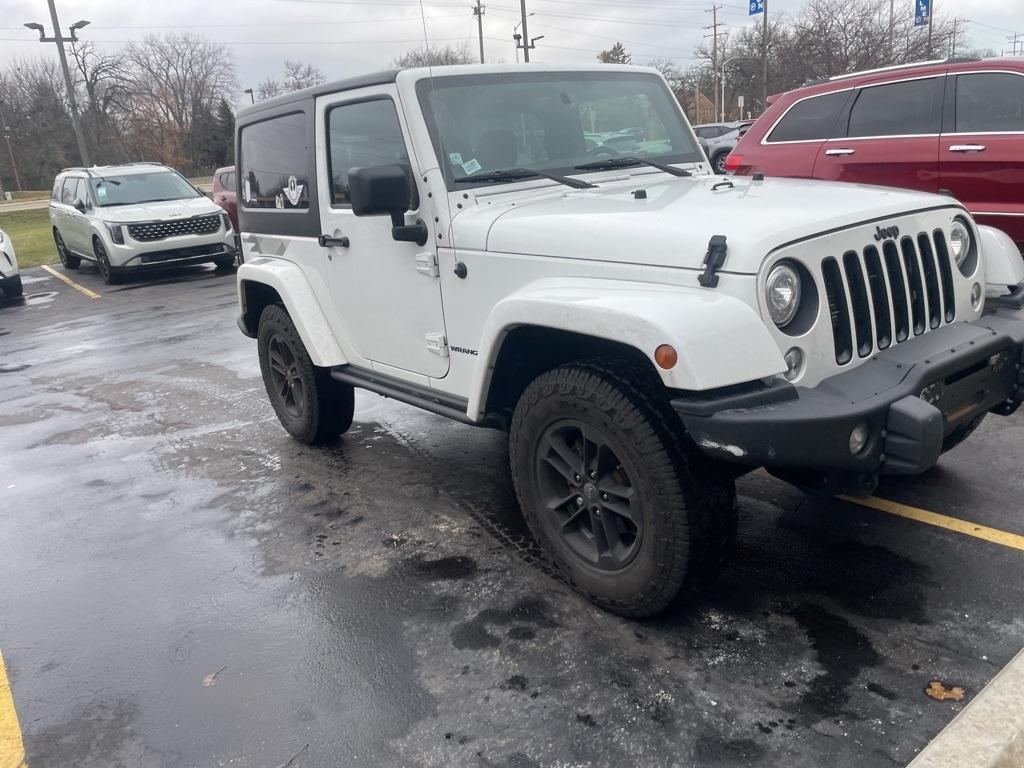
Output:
x=889 y=136
x=982 y=147
x=386 y=293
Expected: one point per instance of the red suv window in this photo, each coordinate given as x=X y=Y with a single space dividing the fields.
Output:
x=909 y=108
x=989 y=102
x=811 y=119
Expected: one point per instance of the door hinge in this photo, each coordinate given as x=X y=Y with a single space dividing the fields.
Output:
x=426 y=264
x=438 y=344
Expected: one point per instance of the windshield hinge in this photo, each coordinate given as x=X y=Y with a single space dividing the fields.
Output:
x=426 y=264
x=438 y=344
x=713 y=261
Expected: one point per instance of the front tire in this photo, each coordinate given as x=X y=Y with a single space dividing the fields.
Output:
x=13 y=287
x=623 y=504
x=718 y=162
x=107 y=272
x=225 y=264
x=67 y=259
x=311 y=406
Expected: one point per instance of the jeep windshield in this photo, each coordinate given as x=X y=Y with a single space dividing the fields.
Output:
x=136 y=188
x=551 y=122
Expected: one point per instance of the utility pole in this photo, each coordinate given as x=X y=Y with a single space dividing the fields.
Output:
x=931 y=12
x=526 y=35
x=59 y=39
x=715 y=24
x=478 y=11
x=764 y=59
x=952 y=44
x=1013 y=40
x=892 y=26
x=10 y=150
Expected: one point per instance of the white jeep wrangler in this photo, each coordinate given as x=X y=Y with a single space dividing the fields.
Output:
x=545 y=251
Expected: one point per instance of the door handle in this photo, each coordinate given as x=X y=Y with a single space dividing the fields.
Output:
x=327 y=241
x=967 y=148
x=839 y=152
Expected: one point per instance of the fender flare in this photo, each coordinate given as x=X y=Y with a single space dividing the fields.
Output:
x=301 y=302
x=720 y=339
x=1001 y=259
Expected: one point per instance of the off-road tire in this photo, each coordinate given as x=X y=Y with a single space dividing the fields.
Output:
x=67 y=259
x=961 y=433
x=327 y=405
x=687 y=503
x=109 y=274
x=14 y=287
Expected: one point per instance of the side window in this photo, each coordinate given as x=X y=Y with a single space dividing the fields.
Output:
x=275 y=163
x=362 y=135
x=57 y=186
x=67 y=195
x=898 y=109
x=706 y=132
x=990 y=102
x=82 y=191
x=812 y=119
x=229 y=180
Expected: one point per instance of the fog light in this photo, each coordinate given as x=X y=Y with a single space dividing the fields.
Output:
x=976 y=295
x=794 y=363
x=932 y=393
x=859 y=438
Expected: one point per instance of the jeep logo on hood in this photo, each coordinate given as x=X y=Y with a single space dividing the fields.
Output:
x=885 y=233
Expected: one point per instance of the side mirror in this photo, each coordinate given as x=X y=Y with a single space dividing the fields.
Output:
x=386 y=190
x=80 y=205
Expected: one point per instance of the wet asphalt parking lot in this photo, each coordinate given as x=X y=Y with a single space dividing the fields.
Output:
x=181 y=584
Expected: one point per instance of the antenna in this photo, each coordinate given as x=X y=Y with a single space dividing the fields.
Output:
x=440 y=136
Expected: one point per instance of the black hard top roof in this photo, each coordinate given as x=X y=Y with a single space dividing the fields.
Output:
x=336 y=86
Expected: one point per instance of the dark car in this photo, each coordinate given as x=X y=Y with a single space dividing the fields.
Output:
x=224 y=193
x=955 y=127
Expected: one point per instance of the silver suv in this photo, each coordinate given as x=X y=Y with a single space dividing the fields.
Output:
x=131 y=217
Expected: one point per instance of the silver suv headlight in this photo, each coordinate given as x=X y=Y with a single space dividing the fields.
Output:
x=782 y=294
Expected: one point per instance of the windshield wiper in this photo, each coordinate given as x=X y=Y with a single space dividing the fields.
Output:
x=626 y=162
x=513 y=174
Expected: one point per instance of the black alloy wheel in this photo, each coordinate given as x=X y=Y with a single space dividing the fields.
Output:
x=588 y=491
x=110 y=277
x=67 y=260
x=286 y=378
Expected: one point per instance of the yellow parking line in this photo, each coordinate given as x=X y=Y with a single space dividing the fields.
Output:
x=994 y=535
x=73 y=284
x=12 y=749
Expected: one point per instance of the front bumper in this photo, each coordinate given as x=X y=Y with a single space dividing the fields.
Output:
x=963 y=369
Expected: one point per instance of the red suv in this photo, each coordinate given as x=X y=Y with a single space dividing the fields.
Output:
x=955 y=127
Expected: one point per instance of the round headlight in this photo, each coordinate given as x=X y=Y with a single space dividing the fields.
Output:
x=782 y=293
x=959 y=242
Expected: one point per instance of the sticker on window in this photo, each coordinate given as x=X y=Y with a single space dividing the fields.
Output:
x=455 y=158
x=471 y=166
x=101 y=192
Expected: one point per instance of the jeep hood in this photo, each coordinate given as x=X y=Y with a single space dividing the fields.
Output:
x=178 y=209
x=671 y=226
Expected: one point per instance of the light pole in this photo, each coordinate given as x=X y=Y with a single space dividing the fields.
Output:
x=10 y=150
x=59 y=39
x=517 y=37
x=251 y=96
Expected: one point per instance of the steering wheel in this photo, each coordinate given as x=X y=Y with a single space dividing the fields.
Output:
x=602 y=149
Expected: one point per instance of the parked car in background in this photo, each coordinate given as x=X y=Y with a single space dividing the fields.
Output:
x=10 y=279
x=955 y=127
x=721 y=139
x=224 y=194
x=133 y=217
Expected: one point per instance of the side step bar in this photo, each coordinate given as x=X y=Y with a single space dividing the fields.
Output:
x=447 y=405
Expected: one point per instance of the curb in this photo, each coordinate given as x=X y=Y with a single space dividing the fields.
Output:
x=989 y=732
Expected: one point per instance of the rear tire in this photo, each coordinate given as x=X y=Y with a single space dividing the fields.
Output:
x=656 y=516
x=311 y=406
x=67 y=259
x=14 y=287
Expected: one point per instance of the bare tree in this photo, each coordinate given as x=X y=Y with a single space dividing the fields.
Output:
x=617 y=54
x=296 y=77
x=434 y=57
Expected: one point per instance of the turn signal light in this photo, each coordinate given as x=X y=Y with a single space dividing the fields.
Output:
x=733 y=162
x=665 y=356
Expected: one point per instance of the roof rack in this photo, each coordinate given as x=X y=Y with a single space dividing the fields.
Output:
x=957 y=60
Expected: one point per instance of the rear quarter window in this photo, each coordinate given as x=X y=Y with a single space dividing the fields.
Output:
x=989 y=102
x=275 y=163
x=814 y=118
x=55 y=194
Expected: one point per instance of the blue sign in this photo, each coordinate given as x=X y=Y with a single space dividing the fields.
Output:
x=756 y=7
x=922 y=10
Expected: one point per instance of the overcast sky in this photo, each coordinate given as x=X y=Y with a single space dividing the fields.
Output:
x=347 y=37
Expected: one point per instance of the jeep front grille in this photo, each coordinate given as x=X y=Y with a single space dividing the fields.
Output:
x=877 y=297
x=159 y=230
